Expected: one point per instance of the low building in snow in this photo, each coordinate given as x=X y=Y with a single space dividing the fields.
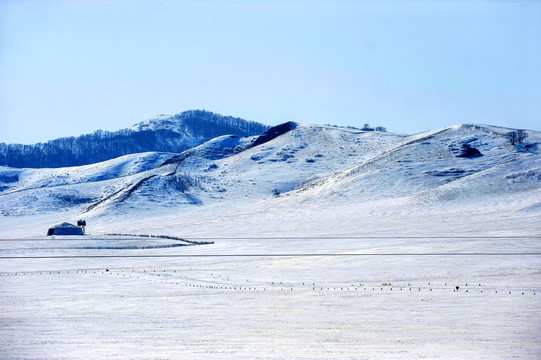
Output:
x=65 y=229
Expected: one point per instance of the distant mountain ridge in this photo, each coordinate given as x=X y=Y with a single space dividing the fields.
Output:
x=295 y=165
x=163 y=133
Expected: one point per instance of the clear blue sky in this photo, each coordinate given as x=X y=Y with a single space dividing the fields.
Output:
x=72 y=67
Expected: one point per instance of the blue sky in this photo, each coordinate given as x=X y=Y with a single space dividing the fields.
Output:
x=72 y=67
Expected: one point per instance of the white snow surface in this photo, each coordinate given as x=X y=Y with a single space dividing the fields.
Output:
x=398 y=222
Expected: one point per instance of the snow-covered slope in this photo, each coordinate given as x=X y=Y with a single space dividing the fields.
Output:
x=436 y=165
x=309 y=164
x=230 y=169
x=35 y=191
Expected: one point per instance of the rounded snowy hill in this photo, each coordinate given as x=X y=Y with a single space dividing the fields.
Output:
x=301 y=166
x=37 y=191
x=231 y=169
x=462 y=160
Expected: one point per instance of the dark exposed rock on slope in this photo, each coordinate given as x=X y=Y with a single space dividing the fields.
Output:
x=274 y=132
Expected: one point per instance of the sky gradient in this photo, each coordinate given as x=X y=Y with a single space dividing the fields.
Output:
x=72 y=67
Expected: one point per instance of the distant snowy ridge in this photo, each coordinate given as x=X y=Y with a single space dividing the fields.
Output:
x=294 y=165
x=160 y=134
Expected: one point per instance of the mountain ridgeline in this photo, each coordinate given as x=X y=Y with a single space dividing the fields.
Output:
x=163 y=133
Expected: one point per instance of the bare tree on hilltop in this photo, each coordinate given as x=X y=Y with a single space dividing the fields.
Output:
x=516 y=136
x=367 y=127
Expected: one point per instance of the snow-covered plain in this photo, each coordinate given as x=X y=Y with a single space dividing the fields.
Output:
x=328 y=243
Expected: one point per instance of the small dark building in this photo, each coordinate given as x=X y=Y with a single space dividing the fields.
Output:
x=65 y=229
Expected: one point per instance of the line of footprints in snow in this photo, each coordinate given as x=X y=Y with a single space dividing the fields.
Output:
x=271 y=286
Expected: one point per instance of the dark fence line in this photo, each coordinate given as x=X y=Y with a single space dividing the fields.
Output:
x=96 y=237
x=157 y=237
x=306 y=286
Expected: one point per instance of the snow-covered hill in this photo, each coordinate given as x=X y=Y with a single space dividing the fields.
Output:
x=329 y=242
x=164 y=133
x=463 y=161
x=305 y=167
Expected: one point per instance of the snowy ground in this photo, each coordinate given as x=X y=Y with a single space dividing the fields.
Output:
x=358 y=257
x=277 y=305
x=132 y=314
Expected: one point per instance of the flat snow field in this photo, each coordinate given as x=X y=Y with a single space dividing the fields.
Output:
x=272 y=304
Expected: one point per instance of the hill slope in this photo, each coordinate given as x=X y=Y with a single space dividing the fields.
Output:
x=306 y=166
x=435 y=162
x=162 y=133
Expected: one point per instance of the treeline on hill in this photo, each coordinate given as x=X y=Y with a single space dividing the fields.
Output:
x=366 y=127
x=175 y=134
